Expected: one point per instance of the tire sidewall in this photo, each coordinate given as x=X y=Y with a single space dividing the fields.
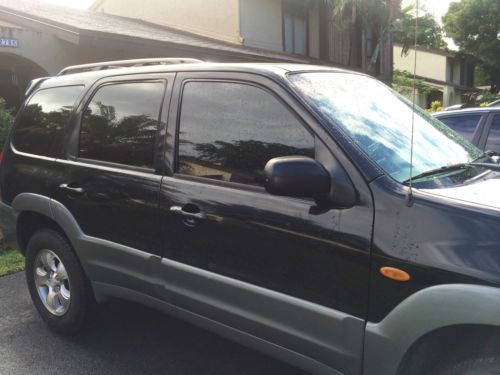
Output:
x=70 y=322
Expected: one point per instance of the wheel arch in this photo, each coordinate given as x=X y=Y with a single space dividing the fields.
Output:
x=437 y=313
x=34 y=211
x=444 y=345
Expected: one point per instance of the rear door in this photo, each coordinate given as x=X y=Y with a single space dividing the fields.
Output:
x=112 y=186
x=277 y=268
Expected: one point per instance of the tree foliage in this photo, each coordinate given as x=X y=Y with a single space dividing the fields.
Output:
x=6 y=121
x=474 y=25
x=403 y=82
x=429 y=33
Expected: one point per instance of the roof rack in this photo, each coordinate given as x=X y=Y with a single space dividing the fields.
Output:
x=126 y=64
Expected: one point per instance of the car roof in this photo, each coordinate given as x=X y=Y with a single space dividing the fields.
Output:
x=267 y=69
x=467 y=111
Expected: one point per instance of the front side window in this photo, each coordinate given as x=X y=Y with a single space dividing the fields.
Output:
x=379 y=122
x=229 y=131
x=121 y=122
x=493 y=143
x=42 y=128
x=464 y=125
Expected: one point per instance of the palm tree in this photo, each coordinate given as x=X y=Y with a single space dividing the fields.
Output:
x=375 y=17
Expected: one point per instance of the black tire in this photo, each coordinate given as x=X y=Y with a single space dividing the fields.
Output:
x=80 y=300
x=480 y=365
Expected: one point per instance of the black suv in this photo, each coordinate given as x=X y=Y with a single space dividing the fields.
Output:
x=274 y=204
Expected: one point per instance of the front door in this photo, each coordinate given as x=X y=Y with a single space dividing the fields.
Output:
x=274 y=267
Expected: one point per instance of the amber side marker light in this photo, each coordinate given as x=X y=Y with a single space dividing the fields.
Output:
x=395 y=274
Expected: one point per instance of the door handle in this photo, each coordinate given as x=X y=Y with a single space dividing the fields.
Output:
x=181 y=211
x=71 y=189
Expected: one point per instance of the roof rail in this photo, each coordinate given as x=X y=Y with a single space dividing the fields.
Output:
x=33 y=84
x=126 y=64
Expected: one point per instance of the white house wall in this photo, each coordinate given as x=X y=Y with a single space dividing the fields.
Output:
x=261 y=24
x=429 y=65
x=218 y=19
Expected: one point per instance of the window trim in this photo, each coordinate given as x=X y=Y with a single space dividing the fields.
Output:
x=228 y=184
x=122 y=166
x=69 y=123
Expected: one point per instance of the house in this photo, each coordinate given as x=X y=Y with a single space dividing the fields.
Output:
x=449 y=75
x=294 y=27
x=39 y=39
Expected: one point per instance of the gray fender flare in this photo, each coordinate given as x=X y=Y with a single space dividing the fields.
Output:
x=432 y=308
x=48 y=207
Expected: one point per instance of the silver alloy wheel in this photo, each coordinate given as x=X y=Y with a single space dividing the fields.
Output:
x=52 y=282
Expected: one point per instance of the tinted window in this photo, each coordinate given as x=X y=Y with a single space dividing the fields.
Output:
x=121 y=122
x=230 y=131
x=43 y=124
x=464 y=125
x=494 y=136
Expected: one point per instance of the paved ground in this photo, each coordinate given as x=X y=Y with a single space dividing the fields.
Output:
x=124 y=339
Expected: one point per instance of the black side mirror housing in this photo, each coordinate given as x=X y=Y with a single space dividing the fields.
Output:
x=296 y=176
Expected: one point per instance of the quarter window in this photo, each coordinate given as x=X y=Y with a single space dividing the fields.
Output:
x=493 y=143
x=42 y=128
x=229 y=131
x=463 y=125
x=121 y=122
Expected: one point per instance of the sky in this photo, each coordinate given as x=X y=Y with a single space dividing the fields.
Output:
x=438 y=9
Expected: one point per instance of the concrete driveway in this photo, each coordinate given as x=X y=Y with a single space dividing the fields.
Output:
x=123 y=339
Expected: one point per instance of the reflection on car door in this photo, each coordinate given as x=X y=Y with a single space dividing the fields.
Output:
x=270 y=266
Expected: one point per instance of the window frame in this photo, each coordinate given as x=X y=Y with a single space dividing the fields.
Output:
x=455 y=116
x=294 y=13
x=489 y=125
x=69 y=124
x=478 y=138
x=209 y=181
x=114 y=81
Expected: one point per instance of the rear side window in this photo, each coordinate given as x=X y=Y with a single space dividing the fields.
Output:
x=121 y=123
x=229 y=131
x=463 y=125
x=493 y=143
x=42 y=128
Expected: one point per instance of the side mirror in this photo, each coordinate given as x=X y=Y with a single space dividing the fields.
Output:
x=296 y=176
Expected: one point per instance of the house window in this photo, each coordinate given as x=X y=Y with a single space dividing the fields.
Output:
x=295 y=27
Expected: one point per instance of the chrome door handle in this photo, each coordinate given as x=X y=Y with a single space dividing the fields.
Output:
x=178 y=210
x=72 y=190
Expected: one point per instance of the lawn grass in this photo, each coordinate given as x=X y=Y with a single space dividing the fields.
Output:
x=11 y=261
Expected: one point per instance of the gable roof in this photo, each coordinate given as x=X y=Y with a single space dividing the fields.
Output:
x=81 y=26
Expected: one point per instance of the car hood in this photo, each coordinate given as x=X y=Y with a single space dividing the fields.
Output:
x=483 y=192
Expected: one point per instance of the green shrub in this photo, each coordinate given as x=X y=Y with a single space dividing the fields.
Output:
x=6 y=121
x=436 y=106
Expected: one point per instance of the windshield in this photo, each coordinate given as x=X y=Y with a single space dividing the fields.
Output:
x=379 y=121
